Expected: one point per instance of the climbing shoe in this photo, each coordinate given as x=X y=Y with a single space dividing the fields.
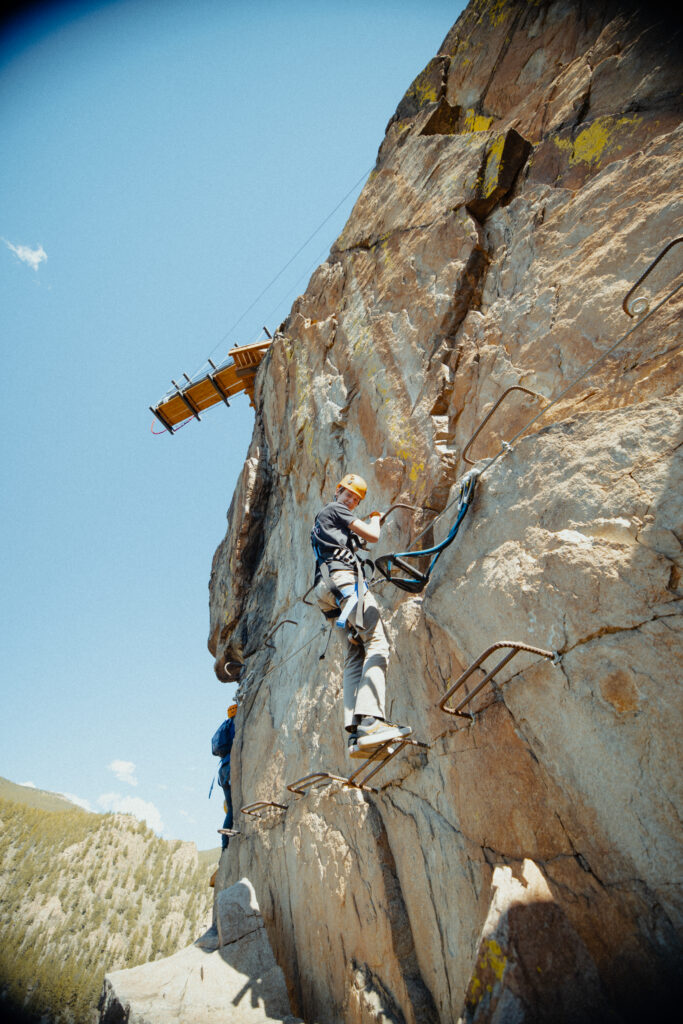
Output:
x=373 y=731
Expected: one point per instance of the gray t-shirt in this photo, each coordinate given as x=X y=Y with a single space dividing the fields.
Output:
x=331 y=538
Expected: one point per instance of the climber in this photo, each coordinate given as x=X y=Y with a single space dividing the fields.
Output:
x=221 y=745
x=342 y=594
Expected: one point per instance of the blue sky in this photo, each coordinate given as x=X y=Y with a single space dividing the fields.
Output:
x=160 y=162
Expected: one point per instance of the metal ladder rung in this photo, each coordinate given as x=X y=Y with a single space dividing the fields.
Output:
x=373 y=764
x=515 y=647
x=260 y=805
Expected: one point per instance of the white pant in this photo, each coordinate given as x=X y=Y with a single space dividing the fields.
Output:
x=366 y=661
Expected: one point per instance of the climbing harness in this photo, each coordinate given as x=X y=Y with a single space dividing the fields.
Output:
x=394 y=567
x=350 y=597
x=368 y=564
x=353 y=598
x=515 y=648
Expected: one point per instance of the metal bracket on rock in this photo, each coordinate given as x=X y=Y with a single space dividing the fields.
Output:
x=475 y=435
x=260 y=805
x=515 y=648
x=232 y=669
x=640 y=306
x=360 y=778
x=379 y=759
x=402 y=504
x=267 y=643
x=307 y=782
x=228 y=832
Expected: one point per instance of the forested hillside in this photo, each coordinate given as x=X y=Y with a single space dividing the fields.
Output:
x=82 y=893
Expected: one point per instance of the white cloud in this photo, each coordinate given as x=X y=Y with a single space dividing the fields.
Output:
x=141 y=809
x=32 y=257
x=31 y=785
x=76 y=800
x=124 y=771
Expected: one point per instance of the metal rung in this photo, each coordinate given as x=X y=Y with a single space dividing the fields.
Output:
x=379 y=759
x=228 y=832
x=267 y=641
x=374 y=763
x=640 y=306
x=515 y=648
x=306 y=782
x=260 y=805
x=475 y=435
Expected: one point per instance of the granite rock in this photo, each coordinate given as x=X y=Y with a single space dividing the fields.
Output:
x=528 y=178
x=228 y=975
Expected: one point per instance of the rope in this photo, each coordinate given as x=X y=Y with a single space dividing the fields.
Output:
x=306 y=273
x=157 y=433
x=297 y=651
x=506 y=446
x=281 y=272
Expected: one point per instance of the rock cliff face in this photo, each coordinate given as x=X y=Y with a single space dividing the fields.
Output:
x=526 y=865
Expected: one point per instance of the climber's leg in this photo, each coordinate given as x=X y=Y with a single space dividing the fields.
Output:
x=228 y=814
x=371 y=693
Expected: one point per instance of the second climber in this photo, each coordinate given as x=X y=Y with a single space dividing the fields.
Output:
x=342 y=594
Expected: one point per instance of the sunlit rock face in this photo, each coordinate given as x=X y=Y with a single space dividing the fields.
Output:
x=229 y=974
x=525 y=866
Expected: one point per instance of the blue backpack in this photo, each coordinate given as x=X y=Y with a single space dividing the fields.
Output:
x=221 y=741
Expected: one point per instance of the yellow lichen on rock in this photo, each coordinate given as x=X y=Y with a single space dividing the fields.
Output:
x=492 y=168
x=476 y=122
x=591 y=143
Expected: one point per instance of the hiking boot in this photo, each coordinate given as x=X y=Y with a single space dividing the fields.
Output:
x=373 y=731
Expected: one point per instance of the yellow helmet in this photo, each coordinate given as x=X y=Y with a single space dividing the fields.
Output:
x=355 y=484
x=232 y=710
